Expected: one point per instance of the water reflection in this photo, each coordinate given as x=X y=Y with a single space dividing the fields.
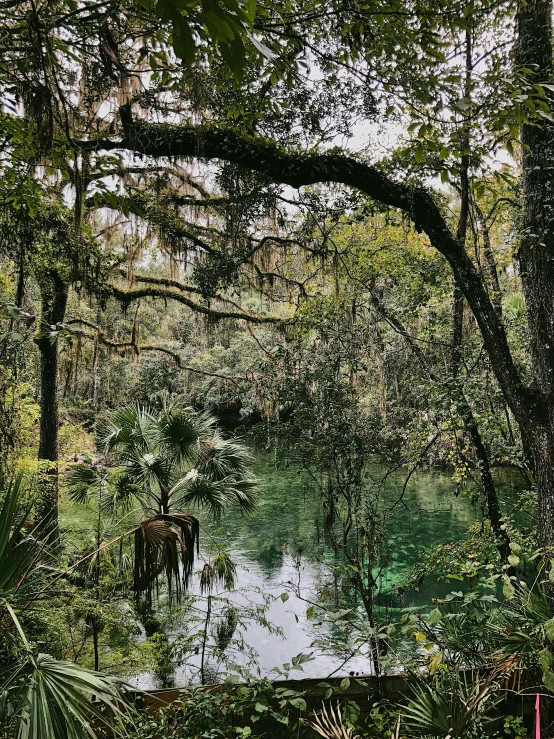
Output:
x=287 y=519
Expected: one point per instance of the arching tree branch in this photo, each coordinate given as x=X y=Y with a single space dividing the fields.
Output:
x=138 y=348
x=182 y=286
x=128 y=296
x=299 y=169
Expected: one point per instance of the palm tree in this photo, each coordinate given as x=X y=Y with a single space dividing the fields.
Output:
x=39 y=695
x=169 y=461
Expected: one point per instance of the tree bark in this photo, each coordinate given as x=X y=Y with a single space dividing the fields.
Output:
x=536 y=255
x=496 y=292
x=93 y=387
x=53 y=292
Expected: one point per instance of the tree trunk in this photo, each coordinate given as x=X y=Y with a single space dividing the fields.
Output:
x=536 y=256
x=496 y=293
x=53 y=293
x=541 y=439
x=93 y=387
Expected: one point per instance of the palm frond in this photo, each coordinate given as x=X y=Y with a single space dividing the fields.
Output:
x=125 y=491
x=329 y=724
x=200 y=491
x=164 y=544
x=427 y=713
x=129 y=427
x=42 y=697
x=84 y=481
x=18 y=550
x=222 y=571
x=221 y=458
x=178 y=432
x=52 y=698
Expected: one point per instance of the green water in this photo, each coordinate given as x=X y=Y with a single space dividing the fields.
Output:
x=432 y=511
x=265 y=544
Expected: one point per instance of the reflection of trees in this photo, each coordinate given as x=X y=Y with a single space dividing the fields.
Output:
x=285 y=515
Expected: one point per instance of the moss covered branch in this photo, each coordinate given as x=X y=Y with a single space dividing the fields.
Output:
x=298 y=169
x=101 y=337
x=128 y=296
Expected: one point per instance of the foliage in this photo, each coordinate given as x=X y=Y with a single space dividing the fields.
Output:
x=255 y=707
x=41 y=696
x=168 y=461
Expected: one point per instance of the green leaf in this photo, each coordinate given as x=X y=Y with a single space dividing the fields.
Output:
x=435 y=662
x=234 y=55
x=310 y=612
x=217 y=25
x=344 y=684
x=183 y=41
x=549 y=629
x=284 y=597
x=419 y=156
x=545 y=659
x=513 y=560
x=508 y=590
x=434 y=617
x=299 y=703
x=548 y=680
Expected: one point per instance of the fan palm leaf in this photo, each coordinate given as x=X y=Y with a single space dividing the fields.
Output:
x=52 y=698
x=219 y=458
x=447 y=710
x=127 y=428
x=178 y=432
x=41 y=697
x=199 y=491
x=427 y=712
x=18 y=550
x=164 y=543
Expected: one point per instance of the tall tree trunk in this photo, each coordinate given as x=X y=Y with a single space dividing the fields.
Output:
x=93 y=387
x=496 y=292
x=536 y=256
x=53 y=294
x=488 y=487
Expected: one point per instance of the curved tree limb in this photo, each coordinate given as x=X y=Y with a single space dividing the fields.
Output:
x=299 y=169
x=128 y=296
x=103 y=339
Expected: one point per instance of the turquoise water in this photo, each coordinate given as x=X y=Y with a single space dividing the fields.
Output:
x=266 y=545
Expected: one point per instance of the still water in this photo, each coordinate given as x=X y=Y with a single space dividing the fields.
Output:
x=266 y=548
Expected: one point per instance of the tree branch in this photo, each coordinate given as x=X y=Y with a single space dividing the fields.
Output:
x=183 y=287
x=128 y=296
x=299 y=169
x=103 y=339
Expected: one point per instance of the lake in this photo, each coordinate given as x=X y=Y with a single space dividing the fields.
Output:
x=265 y=547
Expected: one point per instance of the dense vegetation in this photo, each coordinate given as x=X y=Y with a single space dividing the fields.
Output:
x=322 y=230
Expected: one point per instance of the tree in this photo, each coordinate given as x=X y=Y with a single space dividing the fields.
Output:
x=168 y=462
x=530 y=403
